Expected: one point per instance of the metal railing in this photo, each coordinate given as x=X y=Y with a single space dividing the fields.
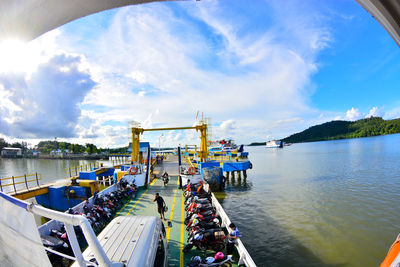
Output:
x=81 y=168
x=244 y=256
x=70 y=221
x=22 y=179
x=220 y=158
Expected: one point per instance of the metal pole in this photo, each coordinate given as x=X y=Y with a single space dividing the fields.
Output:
x=26 y=182
x=1 y=187
x=37 y=181
x=15 y=190
x=179 y=166
x=74 y=244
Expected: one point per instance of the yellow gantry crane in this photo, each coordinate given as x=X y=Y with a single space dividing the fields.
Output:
x=137 y=131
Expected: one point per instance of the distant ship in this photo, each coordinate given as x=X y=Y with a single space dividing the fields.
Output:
x=274 y=144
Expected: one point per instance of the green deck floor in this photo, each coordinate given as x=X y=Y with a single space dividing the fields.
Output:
x=176 y=235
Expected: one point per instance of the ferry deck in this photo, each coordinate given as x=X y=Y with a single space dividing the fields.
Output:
x=176 y=234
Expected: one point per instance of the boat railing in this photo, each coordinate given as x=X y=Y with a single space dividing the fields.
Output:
x=69 y=221
x=85 y=167
x=14 y=183
x=244 y=256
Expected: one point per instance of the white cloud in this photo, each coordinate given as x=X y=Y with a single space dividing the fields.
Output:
x=353 y=114
x=156 y=67
x=47 y=104
x=138 y=76
x=375 y=112
x=178 y=137
x=167 y=75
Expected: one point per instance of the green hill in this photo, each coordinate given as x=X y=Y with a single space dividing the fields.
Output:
x=346 y=129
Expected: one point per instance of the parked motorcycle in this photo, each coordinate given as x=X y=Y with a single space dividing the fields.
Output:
x=213 y=238
x=218 y=260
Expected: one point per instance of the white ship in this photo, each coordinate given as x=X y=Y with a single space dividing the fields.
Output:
x=274 y=144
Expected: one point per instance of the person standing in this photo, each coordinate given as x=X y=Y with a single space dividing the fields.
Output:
x=232 y=238
x=160 y=205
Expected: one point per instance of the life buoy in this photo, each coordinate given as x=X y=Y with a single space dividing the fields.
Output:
x=132 y=170
x=192 y=170
x=393 y=254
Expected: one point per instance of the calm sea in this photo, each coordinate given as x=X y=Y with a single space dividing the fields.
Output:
x=330 y=203
x=314 y=204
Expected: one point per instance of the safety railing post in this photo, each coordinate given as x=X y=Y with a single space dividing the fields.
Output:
x=37 y=181
x=15 y=189
x=1 y=187
x=74 y=244
x=26 y=183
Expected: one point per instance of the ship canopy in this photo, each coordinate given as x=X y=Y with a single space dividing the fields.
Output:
x=25 y=20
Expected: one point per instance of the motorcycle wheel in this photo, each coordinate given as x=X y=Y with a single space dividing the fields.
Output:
x=187 y=248
x=202 y=246
x=218 y=247
x=186 y=221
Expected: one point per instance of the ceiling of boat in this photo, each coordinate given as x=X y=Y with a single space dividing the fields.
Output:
x=28 y=19
x=387 y=13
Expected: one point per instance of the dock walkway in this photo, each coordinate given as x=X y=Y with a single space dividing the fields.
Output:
x=176 y=235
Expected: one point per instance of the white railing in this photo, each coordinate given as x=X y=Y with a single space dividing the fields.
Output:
x=244 y=256
x=70 y=221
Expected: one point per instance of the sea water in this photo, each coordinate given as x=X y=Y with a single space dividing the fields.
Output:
x=333 y=203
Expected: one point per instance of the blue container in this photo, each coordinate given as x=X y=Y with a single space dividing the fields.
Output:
x=235 y=166
x=87 y=175
x=57 y=198
x=208 y=164
x=107 y=172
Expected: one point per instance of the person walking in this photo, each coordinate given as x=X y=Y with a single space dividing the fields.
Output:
x=160 y=205
x=232 y=238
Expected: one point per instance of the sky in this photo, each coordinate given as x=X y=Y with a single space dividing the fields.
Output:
x=257 y=69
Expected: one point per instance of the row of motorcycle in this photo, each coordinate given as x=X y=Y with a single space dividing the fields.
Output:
x=99 y=212
x=203 y=226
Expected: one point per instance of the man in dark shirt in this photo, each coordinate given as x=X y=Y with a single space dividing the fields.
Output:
x=160 y=205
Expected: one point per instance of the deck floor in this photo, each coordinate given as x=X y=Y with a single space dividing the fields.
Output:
x=176 y=235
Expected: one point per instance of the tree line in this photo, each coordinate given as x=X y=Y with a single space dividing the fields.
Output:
x=46 y=147
x=334 y=130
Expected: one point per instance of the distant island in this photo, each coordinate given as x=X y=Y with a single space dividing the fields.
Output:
x=335 y=130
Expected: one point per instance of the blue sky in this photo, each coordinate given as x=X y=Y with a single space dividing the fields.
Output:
x=258 y=69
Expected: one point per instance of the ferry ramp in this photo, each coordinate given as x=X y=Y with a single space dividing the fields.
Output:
x=176 y=234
